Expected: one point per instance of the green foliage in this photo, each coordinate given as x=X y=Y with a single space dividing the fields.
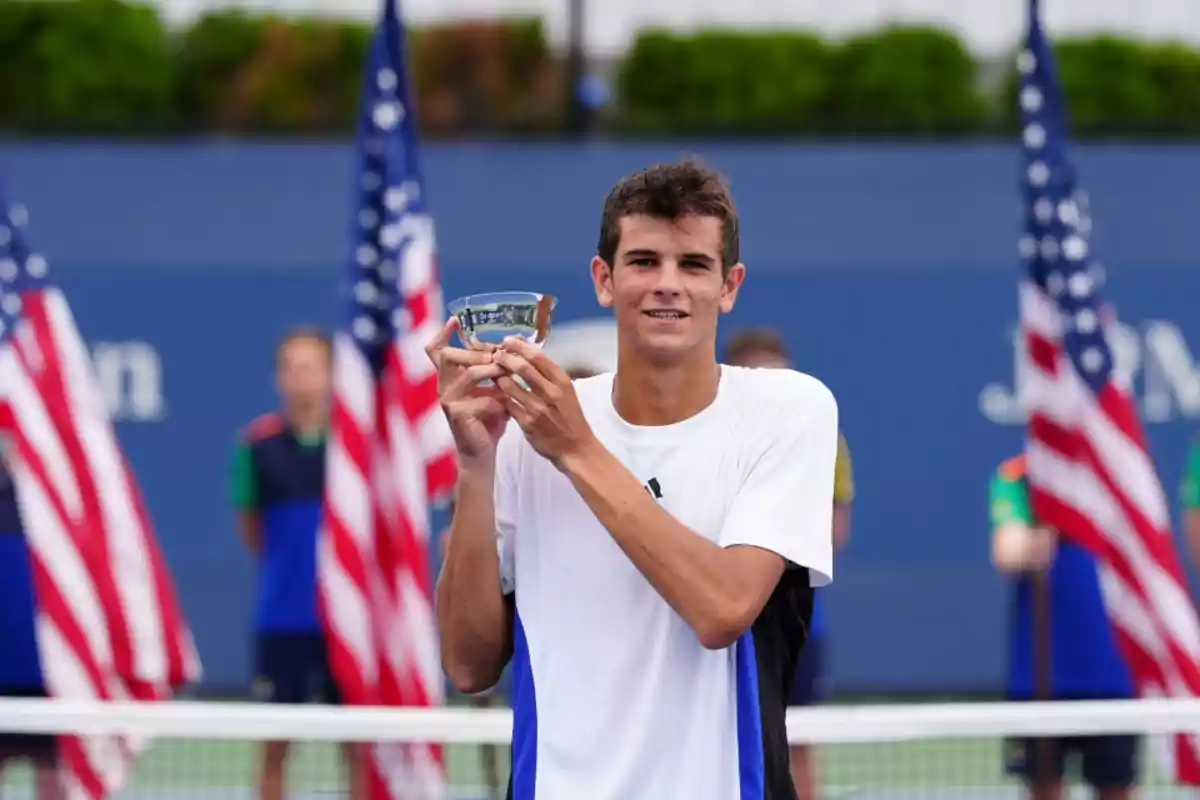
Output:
x=242 y=73
x=905 y=81
x=900 y=82
x=723 y=82
x=87 y=66
x=110 y=67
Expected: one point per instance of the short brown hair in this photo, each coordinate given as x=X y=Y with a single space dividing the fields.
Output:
x=671 y=191
x=309 y=333
x=755 y=340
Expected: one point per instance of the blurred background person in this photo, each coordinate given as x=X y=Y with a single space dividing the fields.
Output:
x=20 y=663
x=1190 y=495
x=1062 y=645
x=765 y=348
x=278 y=486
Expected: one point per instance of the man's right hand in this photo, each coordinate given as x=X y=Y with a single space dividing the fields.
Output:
x=1042 y=547
x=477 y=414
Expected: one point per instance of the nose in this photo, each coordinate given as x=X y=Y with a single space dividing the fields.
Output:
x=669 y=283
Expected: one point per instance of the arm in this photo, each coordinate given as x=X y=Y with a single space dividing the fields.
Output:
x=1017 y=545
x=474 y=611
x=781 y=515
x=841 y=525
x=1191 y=503
x=245 y=497
x=843 y=495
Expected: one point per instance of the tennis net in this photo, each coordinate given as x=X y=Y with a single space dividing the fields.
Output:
x=944 y=751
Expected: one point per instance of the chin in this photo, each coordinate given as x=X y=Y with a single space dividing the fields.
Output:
x=665 y=350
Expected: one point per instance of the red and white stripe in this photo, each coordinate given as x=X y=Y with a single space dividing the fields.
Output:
x=390 y=454
x=1092 y=477
x=109 y=624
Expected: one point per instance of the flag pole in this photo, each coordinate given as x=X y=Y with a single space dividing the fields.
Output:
x=1043 y=666
x=1043 y=639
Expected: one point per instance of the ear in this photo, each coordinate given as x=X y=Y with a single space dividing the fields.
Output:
x=732 y=284
x=602 y=280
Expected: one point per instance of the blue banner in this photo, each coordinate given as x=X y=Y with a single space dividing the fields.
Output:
x=920 y=360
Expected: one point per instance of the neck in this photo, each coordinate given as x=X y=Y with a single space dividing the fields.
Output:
x=645 y=393
x=308 y=421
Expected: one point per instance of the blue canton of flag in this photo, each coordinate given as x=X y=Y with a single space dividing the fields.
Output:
x=20 y=269
x=392 y=217
x=1056 y=243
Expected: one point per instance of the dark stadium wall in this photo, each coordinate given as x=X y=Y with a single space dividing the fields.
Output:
x=891 y=271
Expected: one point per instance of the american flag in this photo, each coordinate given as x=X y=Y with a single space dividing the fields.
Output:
x=390 y=453
x=109 y=624
x=1090 y=473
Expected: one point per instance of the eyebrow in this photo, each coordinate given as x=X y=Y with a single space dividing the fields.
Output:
x=648 y=253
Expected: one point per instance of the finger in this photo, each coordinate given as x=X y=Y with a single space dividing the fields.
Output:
x=475 y=344
x=518 y=365
x=480 y=407
x=465 y=358
x=442 y=339
x=522 y=415
x=468 y=381
x=535 y=356
x=515 y=391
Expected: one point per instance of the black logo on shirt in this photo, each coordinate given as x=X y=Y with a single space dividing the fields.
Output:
x=654 y=489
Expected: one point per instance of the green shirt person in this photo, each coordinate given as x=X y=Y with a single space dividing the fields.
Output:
x=1190 y=494
x=1083 y=656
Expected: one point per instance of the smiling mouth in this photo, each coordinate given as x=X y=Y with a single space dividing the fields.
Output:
x=665 y=314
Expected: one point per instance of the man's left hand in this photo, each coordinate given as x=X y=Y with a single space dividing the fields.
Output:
x=548 y=411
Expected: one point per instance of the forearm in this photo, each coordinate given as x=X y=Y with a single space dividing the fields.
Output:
x=1192 y=530
x=698 y=578
x=472 y=613
x=841 y=525
x=249 y=528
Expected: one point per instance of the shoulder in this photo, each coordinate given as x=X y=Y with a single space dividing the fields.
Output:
x=781 y=398
x=594 y=390
x=262 y=428
x=1012 y=470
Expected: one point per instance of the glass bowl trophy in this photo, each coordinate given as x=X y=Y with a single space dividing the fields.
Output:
x=490 y=318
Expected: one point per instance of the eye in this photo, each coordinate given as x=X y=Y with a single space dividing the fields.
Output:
x=642 y=262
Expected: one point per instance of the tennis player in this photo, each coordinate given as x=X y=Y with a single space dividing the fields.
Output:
x=765 y=348
x=1084 y=661
x=644 y=544
x=278 y=483
x=20 y=664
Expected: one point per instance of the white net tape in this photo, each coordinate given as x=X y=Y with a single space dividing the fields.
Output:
x=900 y=752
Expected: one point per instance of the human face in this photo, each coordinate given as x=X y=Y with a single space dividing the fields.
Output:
x=302 y=374
x=666 y=287
x=764 y=359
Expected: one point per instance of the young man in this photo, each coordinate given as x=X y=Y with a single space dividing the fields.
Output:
x=20 y=664
x=278 y=482
x=1084 y=659
x=643 y=544
x=763 y=348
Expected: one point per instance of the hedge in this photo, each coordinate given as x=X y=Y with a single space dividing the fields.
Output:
x=112 y=67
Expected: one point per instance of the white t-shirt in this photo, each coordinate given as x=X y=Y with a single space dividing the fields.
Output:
x=614 y=698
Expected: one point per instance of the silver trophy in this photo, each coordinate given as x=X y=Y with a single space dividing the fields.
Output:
x=492 y=317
